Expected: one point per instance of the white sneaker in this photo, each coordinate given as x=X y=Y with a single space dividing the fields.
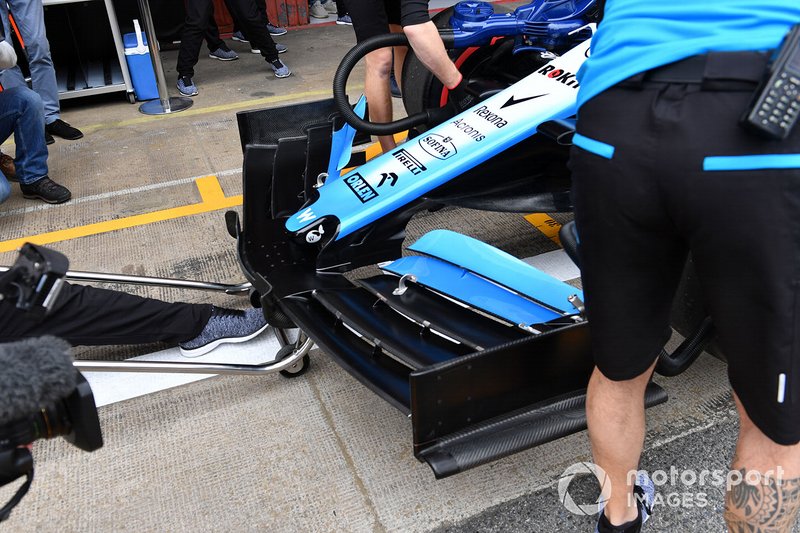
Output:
x=330 y=7
x=318 y=11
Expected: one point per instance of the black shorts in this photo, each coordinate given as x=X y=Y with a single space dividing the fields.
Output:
x=372 y=17
x=663 y=169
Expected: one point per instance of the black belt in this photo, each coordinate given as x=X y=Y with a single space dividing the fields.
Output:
x=714 y=70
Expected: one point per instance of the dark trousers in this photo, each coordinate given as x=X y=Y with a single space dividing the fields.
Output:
x=198 y=15
x=86 y=315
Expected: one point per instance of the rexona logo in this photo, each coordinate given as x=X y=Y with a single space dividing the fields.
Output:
x=409 y=161
x=438 y=146
x=488 y=116
x=360 y=187
x=567 y=78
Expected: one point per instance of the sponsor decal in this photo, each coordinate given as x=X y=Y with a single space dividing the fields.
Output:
x=315 y=235
x=491 y=117
x=567 y=78
x=363 y=190
x=409 y=161
x=513 y=100
x=468 y=130
x=391 y=176
x=306 y=216
x=438 y=146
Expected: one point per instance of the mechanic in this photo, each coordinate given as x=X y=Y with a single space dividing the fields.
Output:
x=410 y=16
x=371 y=19
x=90 y=316
x=662 y=167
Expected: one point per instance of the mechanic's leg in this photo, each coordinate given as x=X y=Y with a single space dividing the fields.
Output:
x=198 y=14
x=429 y=48
x=88 y=316
x=615 y=415
x=399 y=55
x=771 y=505
x=376 y=89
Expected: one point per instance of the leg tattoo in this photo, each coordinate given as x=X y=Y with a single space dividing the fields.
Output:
x=767 y=507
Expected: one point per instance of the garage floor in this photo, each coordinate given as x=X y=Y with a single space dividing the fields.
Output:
x=318 y=453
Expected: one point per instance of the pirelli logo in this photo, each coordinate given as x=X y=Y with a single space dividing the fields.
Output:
x=409 y=161
x=363 y=190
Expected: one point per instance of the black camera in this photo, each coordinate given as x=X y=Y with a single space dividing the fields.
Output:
x=42 y=395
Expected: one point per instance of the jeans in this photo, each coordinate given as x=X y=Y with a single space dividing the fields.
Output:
x=29 y=16
x=21 y=113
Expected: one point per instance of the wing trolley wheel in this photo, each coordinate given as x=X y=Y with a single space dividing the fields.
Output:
x=131 y=98
x=297 y=369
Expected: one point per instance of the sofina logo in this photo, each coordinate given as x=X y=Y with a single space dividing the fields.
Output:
x=438 y=146
x=566 y=498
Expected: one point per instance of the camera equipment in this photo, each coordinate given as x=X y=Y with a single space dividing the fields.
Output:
x=42 y=395
x=35 y=279
x=776 y=107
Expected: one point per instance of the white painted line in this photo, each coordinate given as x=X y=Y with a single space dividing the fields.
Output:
x=112 y=194
x=556 y=263
x=112 y=387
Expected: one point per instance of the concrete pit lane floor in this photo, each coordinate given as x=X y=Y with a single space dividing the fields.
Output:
x=318 y=453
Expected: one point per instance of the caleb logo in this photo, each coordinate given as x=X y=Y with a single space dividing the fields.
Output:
x=438 y=146
x=363 y=190
x=567 y=78
x=409 y=161
x=315 y=235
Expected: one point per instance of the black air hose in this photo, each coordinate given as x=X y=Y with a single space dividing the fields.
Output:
x=350 y=60
x=670 y=365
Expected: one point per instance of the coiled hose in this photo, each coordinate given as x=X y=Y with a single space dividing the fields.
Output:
x=350 y=60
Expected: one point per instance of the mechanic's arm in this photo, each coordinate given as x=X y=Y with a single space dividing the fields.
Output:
x=424 y=39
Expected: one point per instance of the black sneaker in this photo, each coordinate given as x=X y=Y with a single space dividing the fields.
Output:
x=47 y=190
x=225 y=326
x=48 y=139
x=59 y=128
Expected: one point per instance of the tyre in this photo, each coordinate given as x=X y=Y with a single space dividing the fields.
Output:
x=487 y=69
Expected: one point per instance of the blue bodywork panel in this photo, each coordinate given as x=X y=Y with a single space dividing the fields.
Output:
x=471 y=289
x=497 y=266
x=395 y=179
x=342 y=142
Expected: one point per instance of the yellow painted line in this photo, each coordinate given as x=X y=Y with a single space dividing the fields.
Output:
x=212 y=199
x=210 y=191
x=546 y=225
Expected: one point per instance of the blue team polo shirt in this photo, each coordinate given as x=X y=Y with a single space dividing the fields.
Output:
x=638 y=35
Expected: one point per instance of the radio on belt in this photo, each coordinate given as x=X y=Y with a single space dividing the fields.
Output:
x=776 y=106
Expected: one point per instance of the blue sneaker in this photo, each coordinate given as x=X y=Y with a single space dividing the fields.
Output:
x=239 y=36
x=186 y=86
x=278 y=46
x=280 y=70
x=644 y=491
x=344 y=20
x=223 y=54
x=223 y=327
x=275 y=30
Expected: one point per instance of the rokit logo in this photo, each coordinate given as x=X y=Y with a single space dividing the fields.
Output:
x=409 y=161
x=438 y=146
x=363 y=190
x=567 y=78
